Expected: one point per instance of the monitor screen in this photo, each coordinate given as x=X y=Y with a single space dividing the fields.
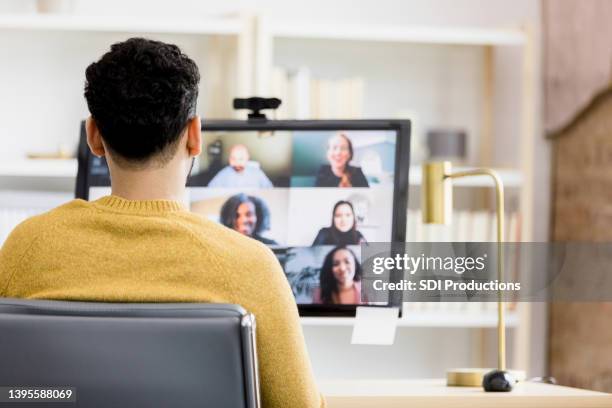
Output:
x=313 y=191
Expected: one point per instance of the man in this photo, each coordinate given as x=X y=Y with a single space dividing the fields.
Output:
x=239 y=172
x=140 y=244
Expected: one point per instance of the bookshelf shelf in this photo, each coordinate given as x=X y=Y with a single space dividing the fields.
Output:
x=120 y=24
x=40 y=168
x=427 y=319
x=406 y=34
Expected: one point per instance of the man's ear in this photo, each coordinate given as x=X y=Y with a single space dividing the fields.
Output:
x=94 y=138
x=194 y=137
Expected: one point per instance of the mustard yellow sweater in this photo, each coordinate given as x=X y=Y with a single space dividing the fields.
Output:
x=115 y=250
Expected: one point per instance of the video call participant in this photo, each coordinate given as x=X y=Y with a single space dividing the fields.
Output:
x=343 y=229
x=248 y=215
x=340 y=278
x=339 y=173
x=240 y=173
x=140 y=244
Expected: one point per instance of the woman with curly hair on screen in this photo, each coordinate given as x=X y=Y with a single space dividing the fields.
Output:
x=248 y=215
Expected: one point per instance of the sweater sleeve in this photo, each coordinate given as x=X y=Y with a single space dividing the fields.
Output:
x=286 y=376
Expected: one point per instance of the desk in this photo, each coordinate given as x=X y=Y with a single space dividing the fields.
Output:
x=434 y=393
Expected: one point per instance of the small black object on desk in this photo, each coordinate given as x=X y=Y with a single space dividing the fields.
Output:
x=498 y=381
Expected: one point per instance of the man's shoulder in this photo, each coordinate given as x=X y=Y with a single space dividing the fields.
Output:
x=38 y=225
x=62 y=212
x=222 y=240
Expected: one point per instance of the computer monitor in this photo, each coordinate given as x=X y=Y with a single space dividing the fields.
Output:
x=313 y=191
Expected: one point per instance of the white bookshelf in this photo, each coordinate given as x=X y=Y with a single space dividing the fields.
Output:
x=430 y=66
x=68 y=22
x=341 y=42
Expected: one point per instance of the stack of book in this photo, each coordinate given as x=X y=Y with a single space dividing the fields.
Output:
x=466 y=226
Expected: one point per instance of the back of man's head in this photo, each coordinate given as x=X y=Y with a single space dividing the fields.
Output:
x=141 y=95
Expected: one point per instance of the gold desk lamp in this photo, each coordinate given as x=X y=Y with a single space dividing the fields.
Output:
x=437 y=206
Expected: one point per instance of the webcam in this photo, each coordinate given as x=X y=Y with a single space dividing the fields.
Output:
x=256 y=104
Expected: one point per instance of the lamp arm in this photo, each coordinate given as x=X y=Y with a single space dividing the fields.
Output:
x=499 y=193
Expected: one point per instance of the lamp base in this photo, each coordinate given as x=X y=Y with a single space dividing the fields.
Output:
x=473 y=377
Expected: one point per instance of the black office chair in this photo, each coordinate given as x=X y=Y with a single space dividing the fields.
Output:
x=132 y=355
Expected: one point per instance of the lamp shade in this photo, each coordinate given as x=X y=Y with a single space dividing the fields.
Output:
x=436 y=193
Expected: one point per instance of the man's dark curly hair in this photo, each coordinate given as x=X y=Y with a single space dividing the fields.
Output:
x=141 y=95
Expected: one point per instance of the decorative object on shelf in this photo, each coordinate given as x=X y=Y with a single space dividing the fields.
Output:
x=62 y=153
x=447 y=144
x=54 y=6
x=437 y=209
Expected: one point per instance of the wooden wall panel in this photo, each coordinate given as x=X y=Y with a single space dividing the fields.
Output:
x=580 y=334
x=577 y=51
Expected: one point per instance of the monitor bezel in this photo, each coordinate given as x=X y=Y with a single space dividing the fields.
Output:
x=400 y=188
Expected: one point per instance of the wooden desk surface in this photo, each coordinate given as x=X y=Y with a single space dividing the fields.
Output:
x=434 y=393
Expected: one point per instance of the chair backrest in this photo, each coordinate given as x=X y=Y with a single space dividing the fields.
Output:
x=132 y=355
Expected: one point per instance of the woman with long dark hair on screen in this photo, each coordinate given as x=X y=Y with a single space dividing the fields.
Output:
x=340 y=278
x=343 y=228
x=339 y=172
x=248 y=215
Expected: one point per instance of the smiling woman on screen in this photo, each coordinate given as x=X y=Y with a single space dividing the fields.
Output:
x=339 y=173
x=340 y=278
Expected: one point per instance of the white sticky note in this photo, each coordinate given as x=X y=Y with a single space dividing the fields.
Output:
x=375 y=325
